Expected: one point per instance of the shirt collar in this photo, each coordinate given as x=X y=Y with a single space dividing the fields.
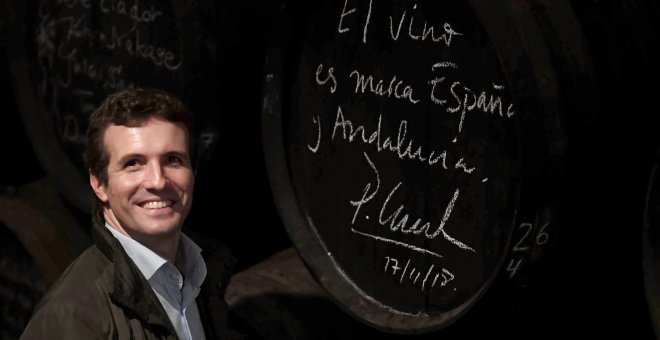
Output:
x=148 y=262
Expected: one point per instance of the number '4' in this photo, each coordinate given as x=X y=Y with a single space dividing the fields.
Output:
x=513 y=269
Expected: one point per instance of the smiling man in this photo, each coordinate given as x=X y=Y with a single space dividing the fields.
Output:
x=143 y=278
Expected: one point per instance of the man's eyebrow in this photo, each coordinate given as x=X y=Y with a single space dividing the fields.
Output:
x=181 y=154
x=182 y=151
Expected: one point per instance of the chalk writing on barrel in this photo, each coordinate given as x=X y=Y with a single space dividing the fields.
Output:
x=424 y=278
x=97 y=46
x=418 y=130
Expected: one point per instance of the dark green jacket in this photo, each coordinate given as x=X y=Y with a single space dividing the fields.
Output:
x=103 y=295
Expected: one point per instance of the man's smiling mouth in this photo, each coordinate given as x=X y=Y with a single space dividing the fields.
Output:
x=156 y=204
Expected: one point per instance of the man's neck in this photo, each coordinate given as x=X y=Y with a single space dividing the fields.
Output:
x=163 y=245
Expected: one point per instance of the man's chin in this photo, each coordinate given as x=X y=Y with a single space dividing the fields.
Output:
x=158 y=228
x=162 y=230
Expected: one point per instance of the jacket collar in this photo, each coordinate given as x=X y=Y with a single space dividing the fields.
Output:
x=130 y=289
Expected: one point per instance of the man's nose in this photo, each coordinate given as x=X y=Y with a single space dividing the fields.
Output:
x=154 y=176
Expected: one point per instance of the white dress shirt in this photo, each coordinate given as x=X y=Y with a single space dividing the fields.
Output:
x=175 y=294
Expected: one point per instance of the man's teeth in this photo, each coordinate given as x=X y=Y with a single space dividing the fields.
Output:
x=157 y=205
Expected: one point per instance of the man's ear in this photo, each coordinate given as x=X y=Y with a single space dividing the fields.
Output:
x=98 y=187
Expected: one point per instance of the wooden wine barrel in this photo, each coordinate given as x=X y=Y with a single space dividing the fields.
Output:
x=39 y=240
x=279 y=299
x=414 y=151
x=52 y=236
x=67 y=56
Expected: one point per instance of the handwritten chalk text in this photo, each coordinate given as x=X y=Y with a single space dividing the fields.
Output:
x=366 y=84
x=414 y=28
x=399 y=220
x=425 y=277
x=402 y=147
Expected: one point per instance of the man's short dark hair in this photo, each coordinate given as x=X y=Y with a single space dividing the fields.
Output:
x=130 y=107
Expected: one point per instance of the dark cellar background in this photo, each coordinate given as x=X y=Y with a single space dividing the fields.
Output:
x=590 y=284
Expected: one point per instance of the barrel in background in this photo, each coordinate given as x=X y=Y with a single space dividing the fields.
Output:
x=406 y=144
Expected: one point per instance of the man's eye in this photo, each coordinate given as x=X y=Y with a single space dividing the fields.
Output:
x=174 y=160
x=131 y=163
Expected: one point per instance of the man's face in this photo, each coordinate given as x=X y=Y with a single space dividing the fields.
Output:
x=150 y=179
